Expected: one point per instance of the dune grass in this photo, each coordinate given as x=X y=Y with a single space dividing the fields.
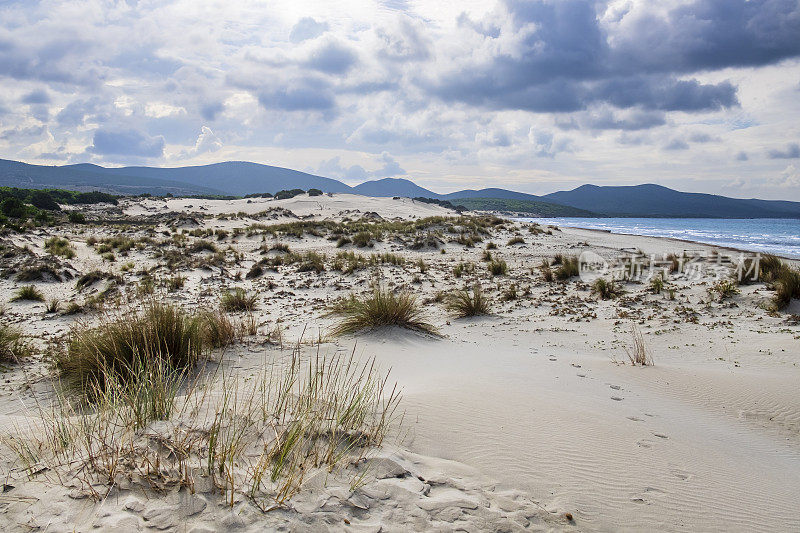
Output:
x=382 y=307
x=606 y=289
x=59 y=246
x=256 y=437
x=787 y=287
x=466 y=303
x=568 y=267
x=13 y=345
x=638 y=353
x=28 y=293
x=723 y=289
x=121 y=348
x=497 y=267
x=238 y=300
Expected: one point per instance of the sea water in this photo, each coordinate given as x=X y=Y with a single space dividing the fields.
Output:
x=775 y=236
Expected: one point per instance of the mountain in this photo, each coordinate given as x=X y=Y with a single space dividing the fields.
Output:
x=650 y=200
x=231 y=177
x=240 y=178
x=393 y=187
x=90 y=178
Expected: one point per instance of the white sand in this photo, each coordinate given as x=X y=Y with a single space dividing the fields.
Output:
x=520 y=416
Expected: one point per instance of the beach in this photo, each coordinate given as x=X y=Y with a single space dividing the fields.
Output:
x=530 y=417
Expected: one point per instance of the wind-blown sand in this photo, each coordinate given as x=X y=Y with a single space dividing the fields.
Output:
x=511 y=420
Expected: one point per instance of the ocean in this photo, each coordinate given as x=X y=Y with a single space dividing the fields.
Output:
x=776 y=236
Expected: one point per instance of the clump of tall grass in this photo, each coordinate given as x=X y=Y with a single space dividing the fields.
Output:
x=638 y=354
x=120 y=348
x=382 y=307
x=605 y=289
x=28 y=293
x=238 y=300
x=13 y=345
x=59 y=246
x=657 y=283
x=787 y=286
x=568 y=267
x=466 y=303
x=497 y=267
x=516 y=240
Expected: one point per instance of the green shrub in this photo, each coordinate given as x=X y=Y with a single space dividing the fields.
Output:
x=569 y=268
x=497 y=267
x=605 y=289
x=12 y=345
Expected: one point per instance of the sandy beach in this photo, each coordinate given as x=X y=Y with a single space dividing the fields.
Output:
x=527 y=418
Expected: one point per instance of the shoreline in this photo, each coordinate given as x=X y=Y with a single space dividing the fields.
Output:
x=675 y=239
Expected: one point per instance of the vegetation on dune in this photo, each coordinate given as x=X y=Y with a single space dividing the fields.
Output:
x=466 y=303
x=28 y=293
x=605 y=289
x=59 y=246
x=382 y=307
x=238 y=300
x=568 y=267
x=121 y=348
x=13 y=345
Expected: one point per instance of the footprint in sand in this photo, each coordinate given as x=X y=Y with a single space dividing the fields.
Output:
x=581 y=375
x=617 y=398
x=635 y=419
x=680 y=474
x=615 y=387
x=660 y=435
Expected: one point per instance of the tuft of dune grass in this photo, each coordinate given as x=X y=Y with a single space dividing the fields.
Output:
x=238 y=300
x=12 y=345
x=382 y=307
x=28 y=293
x=119 y=348
x=464 y=303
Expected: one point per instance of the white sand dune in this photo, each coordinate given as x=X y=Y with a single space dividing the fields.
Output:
x=511 y=420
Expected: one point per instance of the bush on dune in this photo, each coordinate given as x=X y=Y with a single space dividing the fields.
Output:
x=464 y=303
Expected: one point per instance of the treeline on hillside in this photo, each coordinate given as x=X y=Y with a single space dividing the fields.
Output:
x=443 y=203
x=18 y=206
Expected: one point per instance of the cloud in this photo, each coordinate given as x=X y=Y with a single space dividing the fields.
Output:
x=332 y=57
x=676 y=144
x=126 y=143
x=206 y=142
x=742 y=156
x=566 y=56
x=301 y=95
x=792 y=151
x=210 y=110
x=39 y=96
x=307 y=28
x=334 y=168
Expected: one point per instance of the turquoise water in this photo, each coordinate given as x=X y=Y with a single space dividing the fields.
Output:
x=777 y=236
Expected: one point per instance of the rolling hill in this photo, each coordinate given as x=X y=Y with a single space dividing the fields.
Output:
x=238 y=178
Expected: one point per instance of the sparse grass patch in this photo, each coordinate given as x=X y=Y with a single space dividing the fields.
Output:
x=28 y=293
x=464 y=303
x=569 y=267
x=383 y=307
x=723 y=289
x=516 y=240
x=637 y=353
x=787 y=286
x=59 y=246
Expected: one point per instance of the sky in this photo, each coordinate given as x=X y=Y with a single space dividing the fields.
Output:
x=535 y=96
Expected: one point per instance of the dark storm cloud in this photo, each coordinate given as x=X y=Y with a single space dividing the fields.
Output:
x=566 y=58
x=307 y=28
x=792 y=151
x=78 y=111
x=126 y=143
